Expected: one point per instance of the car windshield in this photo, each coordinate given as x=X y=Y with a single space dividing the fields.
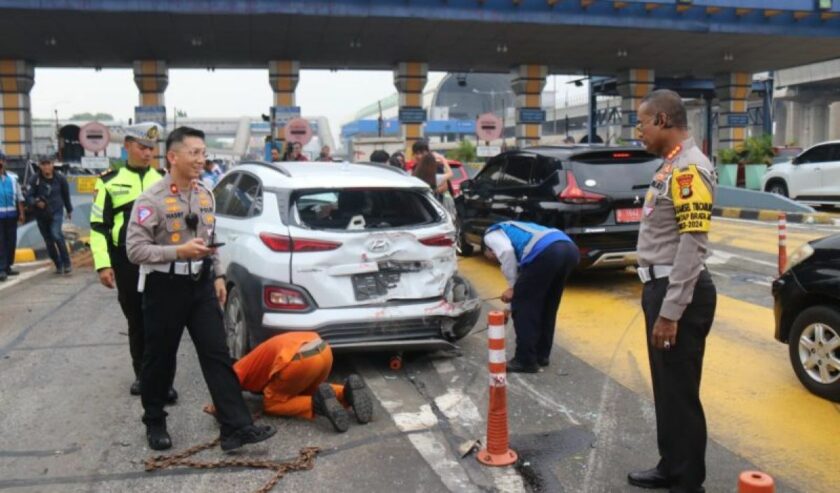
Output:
x=355 y=209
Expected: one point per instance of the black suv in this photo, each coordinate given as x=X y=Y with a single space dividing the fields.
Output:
x=593 y=193
x=807 y=309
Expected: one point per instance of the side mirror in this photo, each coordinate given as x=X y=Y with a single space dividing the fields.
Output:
x=796 y=160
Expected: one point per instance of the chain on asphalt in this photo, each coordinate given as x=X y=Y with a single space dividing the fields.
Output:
x=304 y=462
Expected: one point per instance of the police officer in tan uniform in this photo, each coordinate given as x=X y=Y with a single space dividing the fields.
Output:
x=679 y=297
x=170 y=235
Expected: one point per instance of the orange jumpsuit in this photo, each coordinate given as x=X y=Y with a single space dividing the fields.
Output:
x=287 y=384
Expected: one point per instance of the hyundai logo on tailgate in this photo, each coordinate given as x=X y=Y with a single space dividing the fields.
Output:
x=377 y=245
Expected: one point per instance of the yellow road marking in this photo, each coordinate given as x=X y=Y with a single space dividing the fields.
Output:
x=758 y=237
x=754 y=404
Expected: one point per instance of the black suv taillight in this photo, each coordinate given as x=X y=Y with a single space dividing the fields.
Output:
x=573 y=194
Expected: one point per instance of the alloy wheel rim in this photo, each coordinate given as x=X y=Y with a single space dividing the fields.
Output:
x=234 y=326
x=819 y=353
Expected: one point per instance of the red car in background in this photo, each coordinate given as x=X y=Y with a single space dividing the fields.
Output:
x=459 y=170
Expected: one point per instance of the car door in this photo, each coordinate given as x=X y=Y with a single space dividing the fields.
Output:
x=478 y=201
x=830 y=175
x=806 y=174
x=515 y=188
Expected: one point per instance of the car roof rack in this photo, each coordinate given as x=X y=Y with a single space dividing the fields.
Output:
x=275 y=166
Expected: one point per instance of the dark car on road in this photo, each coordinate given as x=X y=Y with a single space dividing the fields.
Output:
x=807 y=311
x=593 y=193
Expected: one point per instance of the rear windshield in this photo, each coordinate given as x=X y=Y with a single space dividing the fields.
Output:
x=364 y=209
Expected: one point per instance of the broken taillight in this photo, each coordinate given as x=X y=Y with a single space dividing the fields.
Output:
x=282 y=243
x=573 y=194
x=438 y=241
x=278 y=298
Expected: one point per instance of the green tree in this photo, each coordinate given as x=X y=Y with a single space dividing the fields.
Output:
x=465 y=152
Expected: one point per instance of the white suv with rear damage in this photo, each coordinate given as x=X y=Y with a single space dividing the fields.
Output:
x=362 y=254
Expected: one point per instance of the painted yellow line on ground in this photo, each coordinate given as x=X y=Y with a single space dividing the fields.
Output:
x=758 y=237
x=754 y=404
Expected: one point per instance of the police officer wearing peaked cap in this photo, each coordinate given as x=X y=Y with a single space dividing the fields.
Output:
x=114 y=195
x=170 y=235
x=678 y=298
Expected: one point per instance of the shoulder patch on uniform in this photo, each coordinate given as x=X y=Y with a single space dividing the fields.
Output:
x=108 y=174
x=143 y=212
x=692 y=200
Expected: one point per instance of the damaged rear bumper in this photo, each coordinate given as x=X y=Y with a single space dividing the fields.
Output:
x=416 y=325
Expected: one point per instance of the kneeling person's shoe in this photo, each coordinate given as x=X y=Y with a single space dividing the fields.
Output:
x=358 y=396
x=12 y=272
x=135 y=387
x=325 y=403
x=247 y=434
x=650 y=479
x=158 y=437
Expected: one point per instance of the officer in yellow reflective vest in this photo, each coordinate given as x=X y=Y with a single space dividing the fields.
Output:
x=114 y=195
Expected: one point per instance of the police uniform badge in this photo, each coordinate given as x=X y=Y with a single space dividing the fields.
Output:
x=152 y=133
x=684 y=182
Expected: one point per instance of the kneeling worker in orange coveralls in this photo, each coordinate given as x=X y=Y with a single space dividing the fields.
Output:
x=290 y=369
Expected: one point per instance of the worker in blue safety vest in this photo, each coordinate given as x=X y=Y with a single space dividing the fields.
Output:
x=536 y=261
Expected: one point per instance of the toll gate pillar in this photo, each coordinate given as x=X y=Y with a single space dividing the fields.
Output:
x=152 y=78
x=632 y=85
x=527 y=83
x=732 y=91
x=410 y=79
x=16 y=80
x=283 y=76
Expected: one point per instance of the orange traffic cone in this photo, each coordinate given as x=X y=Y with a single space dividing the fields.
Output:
x=755 y=482
x=498 y=452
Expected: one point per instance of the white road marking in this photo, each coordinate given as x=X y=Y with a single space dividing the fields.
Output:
x=12 y=281
x=722 y=256
x=543 y=399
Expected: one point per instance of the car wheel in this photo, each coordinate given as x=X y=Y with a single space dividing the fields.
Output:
x=236 y=326
x=778 y=188
x=814 y=347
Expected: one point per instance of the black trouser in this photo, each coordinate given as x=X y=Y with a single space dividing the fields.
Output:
x=8 y=242
x=536 y=298
x=131 y=302
x=680 y=422
x=171 y=302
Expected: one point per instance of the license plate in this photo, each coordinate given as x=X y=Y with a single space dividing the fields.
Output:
x=374 y=284
x=628 y=215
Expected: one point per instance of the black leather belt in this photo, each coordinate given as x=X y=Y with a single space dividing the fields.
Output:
x=310 y=352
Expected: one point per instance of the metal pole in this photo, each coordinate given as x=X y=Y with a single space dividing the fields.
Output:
x=593 y=108
x=767 y=121
x=709 y=129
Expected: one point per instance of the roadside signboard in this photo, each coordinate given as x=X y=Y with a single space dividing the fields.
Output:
x=99 y=162
x=284 y=114
x=86 y=184
x=298 y=130
x=531 y=115
x=488 y=127
x=94 y=137
x=488 y=151
x=412 y=115
x=156 y=114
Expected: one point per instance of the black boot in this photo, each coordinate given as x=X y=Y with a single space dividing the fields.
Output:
x=135 y=387
x=514 y=366
x=158 y=437
x=358 y=396
x=247 y=434
x=325 y=403
x=650 y=479
x=171 y=396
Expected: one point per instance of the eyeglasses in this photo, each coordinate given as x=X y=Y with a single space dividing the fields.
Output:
x=196 y=153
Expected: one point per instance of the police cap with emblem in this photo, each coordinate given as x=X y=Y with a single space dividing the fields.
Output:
x=146 y=134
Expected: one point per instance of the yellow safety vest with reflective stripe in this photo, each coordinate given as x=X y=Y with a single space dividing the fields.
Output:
x=114 y=195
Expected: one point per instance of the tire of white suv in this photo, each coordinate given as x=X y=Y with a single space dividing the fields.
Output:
x=814 y=351
x=778 y=187
x=236 y=325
